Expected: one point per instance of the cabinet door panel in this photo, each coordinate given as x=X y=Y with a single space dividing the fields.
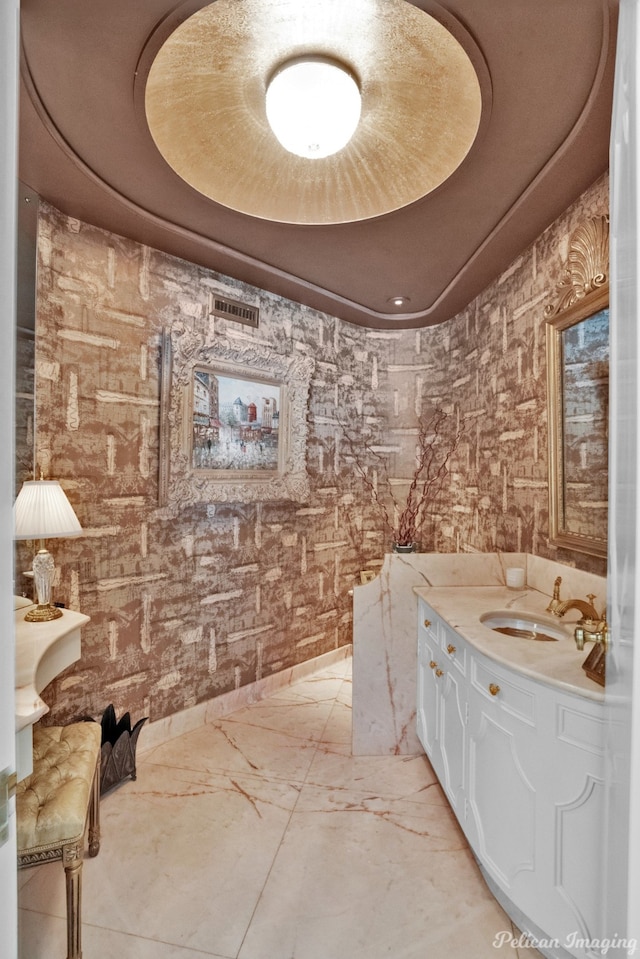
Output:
x=427 y=711
x=502 y=798
x=580 y=857
x=452 y=737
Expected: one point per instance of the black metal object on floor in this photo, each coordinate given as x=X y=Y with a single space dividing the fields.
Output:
x=118 y=749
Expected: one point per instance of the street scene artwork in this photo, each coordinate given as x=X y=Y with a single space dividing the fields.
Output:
x=235 y=422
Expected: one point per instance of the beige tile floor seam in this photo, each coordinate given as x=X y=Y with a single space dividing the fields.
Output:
x=233 y=754
x=341 y=669
x=259 y=836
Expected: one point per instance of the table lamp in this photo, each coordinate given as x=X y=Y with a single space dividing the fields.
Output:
x=42 y=511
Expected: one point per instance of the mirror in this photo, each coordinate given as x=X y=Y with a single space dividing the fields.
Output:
x=578 y=395
x=24 y=410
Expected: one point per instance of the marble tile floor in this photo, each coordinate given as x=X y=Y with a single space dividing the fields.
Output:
x=259 y=836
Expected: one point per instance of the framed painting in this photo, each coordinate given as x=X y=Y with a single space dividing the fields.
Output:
x=233 y=422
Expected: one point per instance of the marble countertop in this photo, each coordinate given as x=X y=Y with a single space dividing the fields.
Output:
x=556 y=663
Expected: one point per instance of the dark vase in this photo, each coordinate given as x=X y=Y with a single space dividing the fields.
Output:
x=405 y=547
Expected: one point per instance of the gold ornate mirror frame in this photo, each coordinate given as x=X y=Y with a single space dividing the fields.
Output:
x=577 y=328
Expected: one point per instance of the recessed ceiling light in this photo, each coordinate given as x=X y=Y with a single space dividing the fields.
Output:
x=399 y=301
x=313 y=106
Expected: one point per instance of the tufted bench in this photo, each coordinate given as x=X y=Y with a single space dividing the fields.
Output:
x=53 y=806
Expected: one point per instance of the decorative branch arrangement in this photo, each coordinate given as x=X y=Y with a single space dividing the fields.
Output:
x=436 y=444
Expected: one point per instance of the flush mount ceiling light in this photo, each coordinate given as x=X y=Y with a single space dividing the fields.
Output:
x=313 y=106
x=209 y=84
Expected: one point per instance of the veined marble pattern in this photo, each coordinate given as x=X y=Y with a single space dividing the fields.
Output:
x=385 y=629
x=260 y=836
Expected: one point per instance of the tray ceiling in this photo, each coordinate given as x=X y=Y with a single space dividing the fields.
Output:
x=545 y=77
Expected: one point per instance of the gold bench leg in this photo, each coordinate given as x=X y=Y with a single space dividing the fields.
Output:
x=94 y=814
x=72 y=861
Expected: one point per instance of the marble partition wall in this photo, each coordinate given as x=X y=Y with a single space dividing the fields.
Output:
x=385 y=633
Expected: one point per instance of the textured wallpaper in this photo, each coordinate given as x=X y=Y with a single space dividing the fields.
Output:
x=183 y=609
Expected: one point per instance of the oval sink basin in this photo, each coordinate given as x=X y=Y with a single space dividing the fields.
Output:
x=523 y=625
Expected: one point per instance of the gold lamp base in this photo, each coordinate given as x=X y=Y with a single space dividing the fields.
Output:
x=43 y=613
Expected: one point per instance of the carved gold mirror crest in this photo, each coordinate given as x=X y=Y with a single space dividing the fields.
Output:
x=578 y=394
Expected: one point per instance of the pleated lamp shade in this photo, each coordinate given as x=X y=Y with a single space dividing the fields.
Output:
x=42 y=511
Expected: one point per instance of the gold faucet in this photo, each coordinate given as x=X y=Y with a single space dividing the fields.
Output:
x=592 y=625
x=555 y=602
x=559 y=607
x=588 y=610
x=588 y=631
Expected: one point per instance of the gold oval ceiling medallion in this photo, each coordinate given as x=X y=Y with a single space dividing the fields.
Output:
x=205 y=106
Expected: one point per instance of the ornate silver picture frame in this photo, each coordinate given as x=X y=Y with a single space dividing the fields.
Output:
x=233 y=422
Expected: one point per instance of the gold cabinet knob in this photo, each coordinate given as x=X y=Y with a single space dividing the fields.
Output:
x=494 y=689
x=427 y=623
x=451 y=649
x=432 y=664
x=438 y=672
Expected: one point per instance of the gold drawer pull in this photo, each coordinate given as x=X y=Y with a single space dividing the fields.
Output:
x=494 y=689
x=438 y=672
x=451 y=649
x=432 y=664
x=427 y=623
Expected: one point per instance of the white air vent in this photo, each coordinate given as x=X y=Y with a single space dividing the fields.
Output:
x=235 y=310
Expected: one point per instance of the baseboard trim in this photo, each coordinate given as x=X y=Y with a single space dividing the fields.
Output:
x=163 y=730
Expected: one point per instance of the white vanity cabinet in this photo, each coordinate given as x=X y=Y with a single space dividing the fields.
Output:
x=442 y=705
x=522 y=764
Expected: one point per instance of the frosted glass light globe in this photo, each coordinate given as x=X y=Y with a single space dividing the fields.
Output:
x=313 y=107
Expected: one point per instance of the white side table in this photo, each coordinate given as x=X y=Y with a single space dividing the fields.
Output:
x=42 y=651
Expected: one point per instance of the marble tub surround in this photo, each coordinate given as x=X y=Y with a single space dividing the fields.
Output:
x=261 y=836
x=385 y=622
